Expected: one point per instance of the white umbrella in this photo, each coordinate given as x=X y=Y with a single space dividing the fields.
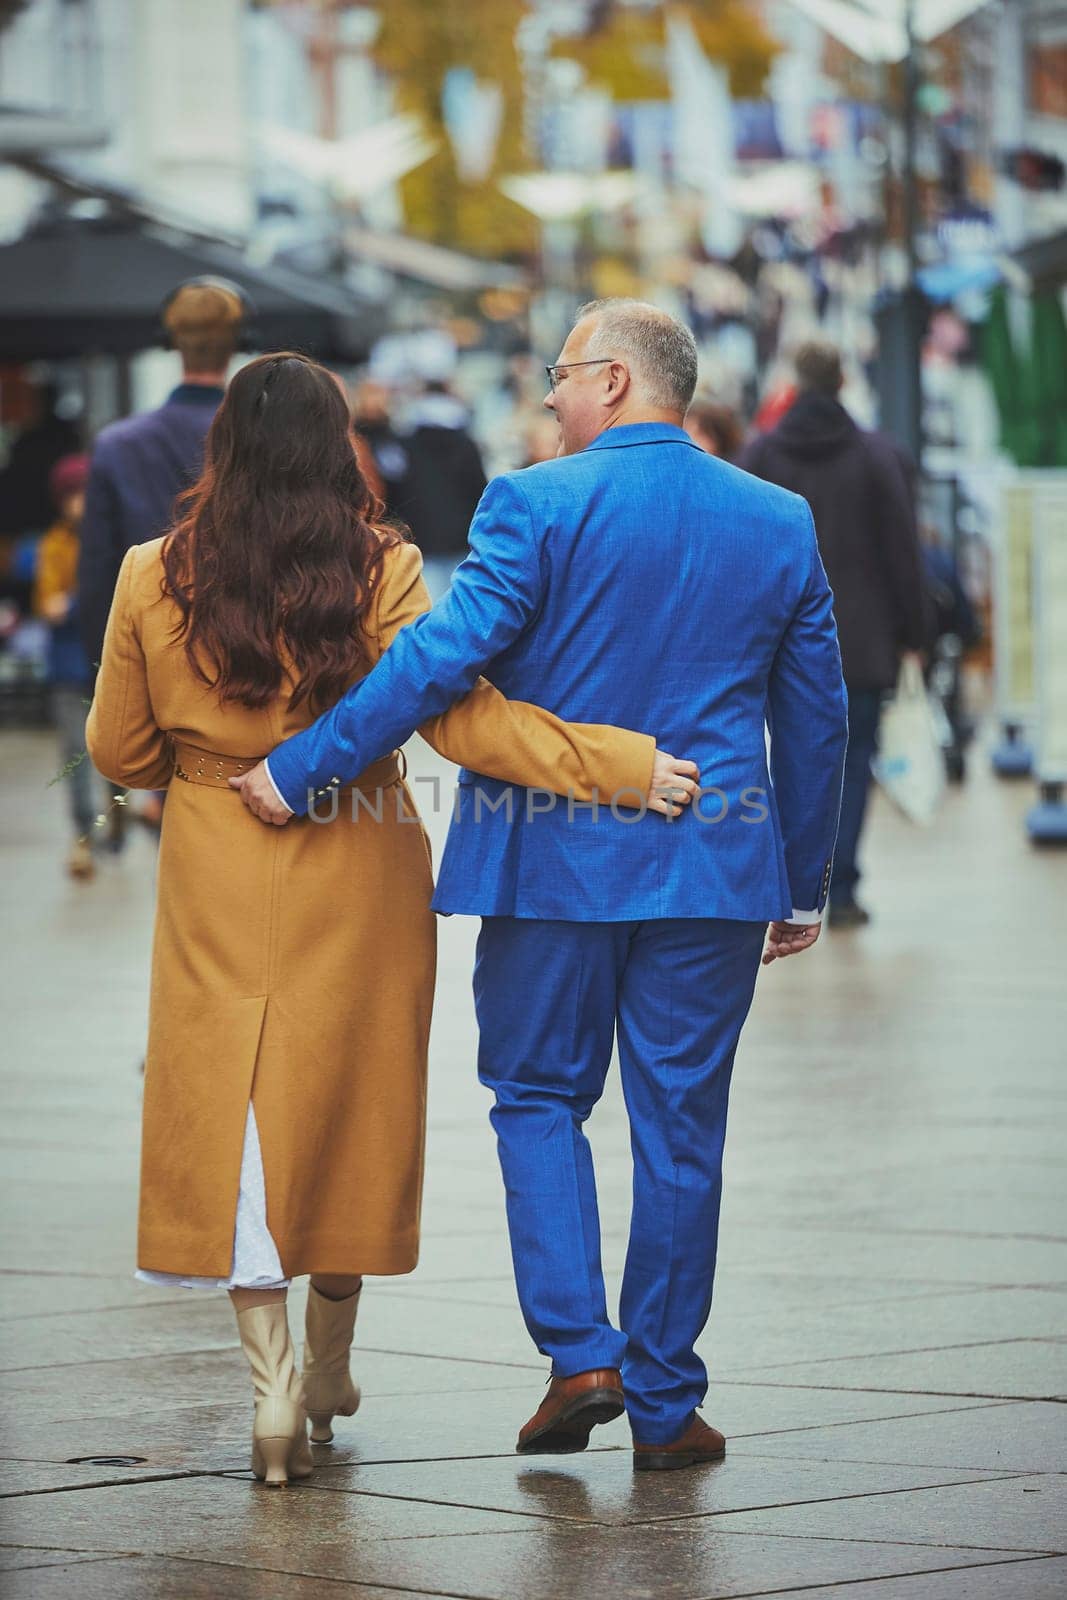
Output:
x=566 y=196
x=876 y=29
x=357 y=167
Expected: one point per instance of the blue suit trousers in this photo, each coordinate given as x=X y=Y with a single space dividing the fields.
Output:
x=550 y=997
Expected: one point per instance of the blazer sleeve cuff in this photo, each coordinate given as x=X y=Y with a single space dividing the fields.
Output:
x=281 y=798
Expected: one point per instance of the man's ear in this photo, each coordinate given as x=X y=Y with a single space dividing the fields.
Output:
x=618 y=382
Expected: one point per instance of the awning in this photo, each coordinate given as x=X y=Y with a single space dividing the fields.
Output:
x=430 y=264
x=75 y=286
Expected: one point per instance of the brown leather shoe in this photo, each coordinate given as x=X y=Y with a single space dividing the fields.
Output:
x=570 y=1411
x=698 y=1444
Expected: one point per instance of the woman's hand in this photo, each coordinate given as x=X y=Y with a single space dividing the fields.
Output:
x=674 y=783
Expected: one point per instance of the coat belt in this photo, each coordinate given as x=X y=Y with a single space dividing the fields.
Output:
x=207 y=767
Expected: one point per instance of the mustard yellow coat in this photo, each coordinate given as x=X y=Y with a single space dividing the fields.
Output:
x=295 y=965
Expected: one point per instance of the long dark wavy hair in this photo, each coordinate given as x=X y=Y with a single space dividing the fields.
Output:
x=280 y=543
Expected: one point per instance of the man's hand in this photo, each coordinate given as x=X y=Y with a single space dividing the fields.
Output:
x=674 y=783
x=260 y=796
x=789 y=939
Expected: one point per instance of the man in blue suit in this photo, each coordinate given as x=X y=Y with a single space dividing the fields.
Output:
x=637 y=580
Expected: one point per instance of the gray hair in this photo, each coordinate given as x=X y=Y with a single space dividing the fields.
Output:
x=661 y=350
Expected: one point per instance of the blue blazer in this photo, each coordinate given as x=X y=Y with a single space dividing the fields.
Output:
x=643 y=583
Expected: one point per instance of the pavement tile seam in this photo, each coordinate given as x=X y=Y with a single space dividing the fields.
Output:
x=232 y=1344
x=911 y=1350
x=831 y=1499
x=105 y=1483
x=286 y=1572
x=854 y=1422
x=466 y=1361
x=693 y=1517
x=1012 y=1559
x=802 y=1223
x=244 y=1474
x=853 y=1538
x=86 y=1551
x=947 y=1466
x=93 y=1311
x=933 y=1394
x=844 y=1584
x=47 y=1272
x=468 y=1505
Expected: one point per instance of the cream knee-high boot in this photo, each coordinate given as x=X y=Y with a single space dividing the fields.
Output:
x=328 y=1387
x=279 y=1433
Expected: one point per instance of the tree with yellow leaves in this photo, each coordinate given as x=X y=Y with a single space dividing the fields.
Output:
x=624 y=50
x=419 y=43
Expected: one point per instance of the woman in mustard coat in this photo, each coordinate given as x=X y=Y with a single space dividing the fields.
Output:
x=293 y=968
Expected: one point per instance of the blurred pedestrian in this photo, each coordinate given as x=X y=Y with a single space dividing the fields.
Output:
x=373 y=423
x=715 y=428
x=25 y=496
x=142 y=463
x=285 y=1085
x=445 y=484
x=857 y=486
x=26 y=504
x=55 y=601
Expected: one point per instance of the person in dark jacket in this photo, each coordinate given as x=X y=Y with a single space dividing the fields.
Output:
x=55 y=601
x=445 y=482
x=141 y=464
x=858 y=488
x=389 y=457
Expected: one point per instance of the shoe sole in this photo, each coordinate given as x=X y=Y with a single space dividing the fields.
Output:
x=569 y=1432
x=673 y=1460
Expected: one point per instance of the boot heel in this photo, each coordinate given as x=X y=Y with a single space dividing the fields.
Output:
x=321 y=1431
x=271 y=1461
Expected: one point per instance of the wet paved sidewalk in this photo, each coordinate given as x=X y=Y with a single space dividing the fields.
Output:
x=889 y=1339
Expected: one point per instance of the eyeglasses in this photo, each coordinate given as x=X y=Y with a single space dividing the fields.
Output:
x=563 y=367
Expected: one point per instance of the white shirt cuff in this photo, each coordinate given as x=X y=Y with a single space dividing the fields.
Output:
x=281 y=798
x=805 y=919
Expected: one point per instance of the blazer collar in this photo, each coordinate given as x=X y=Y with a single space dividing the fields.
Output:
x=196 y=394
x=640 y=433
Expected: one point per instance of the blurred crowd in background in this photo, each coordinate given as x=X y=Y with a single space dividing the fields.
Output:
x=421 y=192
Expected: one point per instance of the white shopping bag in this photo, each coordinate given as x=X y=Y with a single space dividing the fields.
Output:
x=910 y=764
